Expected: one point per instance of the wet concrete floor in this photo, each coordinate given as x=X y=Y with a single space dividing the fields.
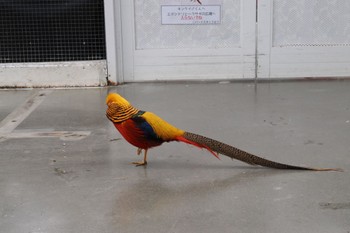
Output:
x=64 y=167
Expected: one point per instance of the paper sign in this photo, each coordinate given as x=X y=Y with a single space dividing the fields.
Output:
x=192 y=15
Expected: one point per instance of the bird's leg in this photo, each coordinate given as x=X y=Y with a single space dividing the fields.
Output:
x=139 y=150
x=144 y=162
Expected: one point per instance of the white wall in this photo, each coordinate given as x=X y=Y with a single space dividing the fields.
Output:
x=53 y=74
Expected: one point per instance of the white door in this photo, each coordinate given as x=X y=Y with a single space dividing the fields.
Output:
x=303 y=38
x=156 y=51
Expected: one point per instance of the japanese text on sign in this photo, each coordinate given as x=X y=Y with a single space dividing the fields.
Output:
x=191 y=15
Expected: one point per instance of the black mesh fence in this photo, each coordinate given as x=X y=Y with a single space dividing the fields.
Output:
x=51 y=30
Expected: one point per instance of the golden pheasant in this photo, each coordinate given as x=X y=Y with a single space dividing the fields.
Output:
x=145 y=130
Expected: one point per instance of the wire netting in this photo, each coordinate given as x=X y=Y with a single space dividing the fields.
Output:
x=51 y=30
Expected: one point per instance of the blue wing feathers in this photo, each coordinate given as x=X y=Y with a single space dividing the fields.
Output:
x=145 y=127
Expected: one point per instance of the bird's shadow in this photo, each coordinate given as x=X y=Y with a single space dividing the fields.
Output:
x=186 y=164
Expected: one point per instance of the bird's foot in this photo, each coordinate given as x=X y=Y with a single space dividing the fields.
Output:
x=138 y=164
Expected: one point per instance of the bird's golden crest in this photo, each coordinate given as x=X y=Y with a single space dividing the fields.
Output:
x=119 y=109
x=117 y=99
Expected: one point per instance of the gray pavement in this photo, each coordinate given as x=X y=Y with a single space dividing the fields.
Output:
x=64 y=167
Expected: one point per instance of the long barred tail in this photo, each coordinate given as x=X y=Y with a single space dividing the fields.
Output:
x=221 y=148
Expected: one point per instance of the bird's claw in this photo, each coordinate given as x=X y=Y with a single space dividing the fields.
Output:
x=144 y=161
x=138 y=164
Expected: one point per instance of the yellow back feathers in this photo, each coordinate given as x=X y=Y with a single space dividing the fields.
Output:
x=163 y=129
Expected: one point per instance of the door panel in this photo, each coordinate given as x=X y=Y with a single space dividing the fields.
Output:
x=303 y=38
x=174 y=52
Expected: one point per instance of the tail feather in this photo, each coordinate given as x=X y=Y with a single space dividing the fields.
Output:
x=216 y=147
x=202 y=146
